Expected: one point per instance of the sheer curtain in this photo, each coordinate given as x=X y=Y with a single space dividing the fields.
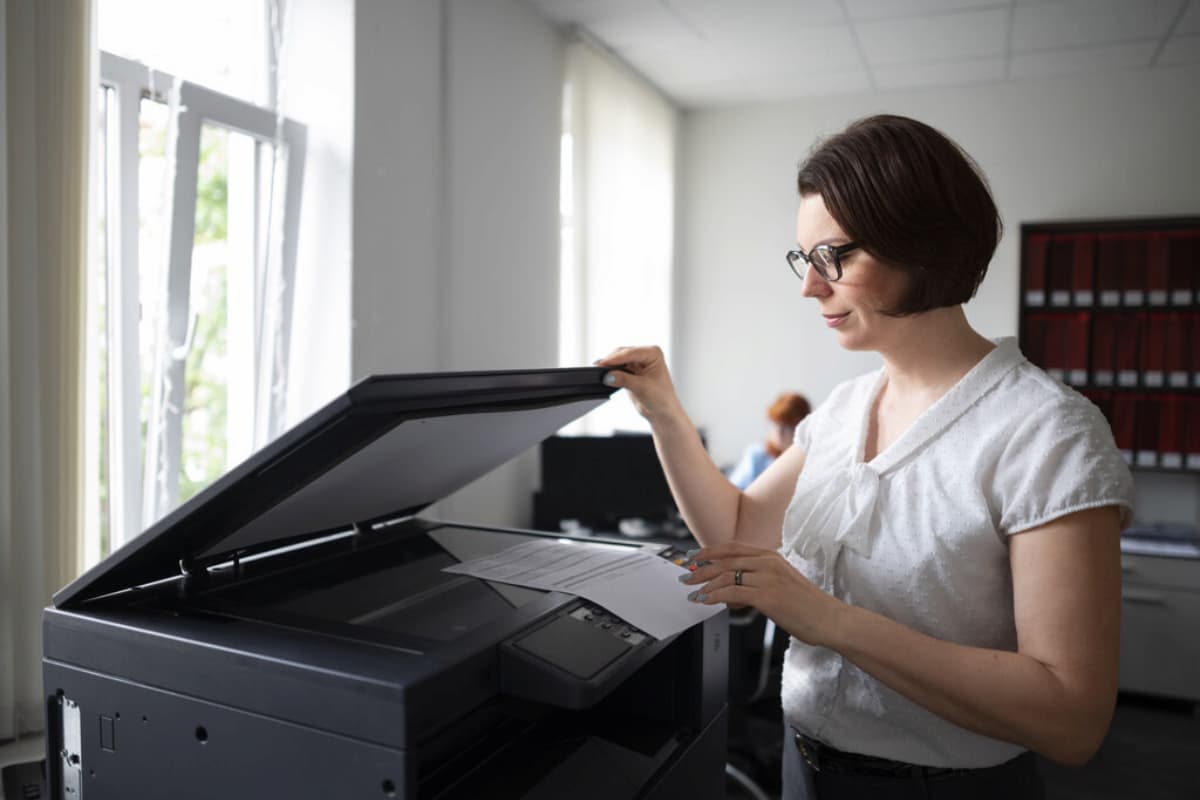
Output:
x=47 y=97
x=618 y=218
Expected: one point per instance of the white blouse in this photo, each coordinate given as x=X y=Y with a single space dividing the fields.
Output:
x=919 y=534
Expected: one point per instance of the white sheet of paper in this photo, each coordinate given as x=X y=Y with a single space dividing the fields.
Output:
x=636 y=585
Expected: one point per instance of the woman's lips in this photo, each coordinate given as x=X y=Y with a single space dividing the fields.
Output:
x=833 y=320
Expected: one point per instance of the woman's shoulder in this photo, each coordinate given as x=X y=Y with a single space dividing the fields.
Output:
x=1030 y=394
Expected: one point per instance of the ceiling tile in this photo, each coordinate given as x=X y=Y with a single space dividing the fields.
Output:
x=1190 y=23
x=966 y=34
x=792 y=86
x=1082 y=59
x=711 y=16
x=713 y=93
x=1180 y=50
x=941 y=73
x=828 y=49
x=1084 y=22
x=682 y=66
x=873 y=9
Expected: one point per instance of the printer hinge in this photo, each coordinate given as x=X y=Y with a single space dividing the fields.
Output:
x=71 y=751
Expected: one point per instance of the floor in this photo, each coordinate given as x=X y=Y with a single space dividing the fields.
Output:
x=1152 y=752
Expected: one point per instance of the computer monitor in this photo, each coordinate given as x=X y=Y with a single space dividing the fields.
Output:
x=598 y=481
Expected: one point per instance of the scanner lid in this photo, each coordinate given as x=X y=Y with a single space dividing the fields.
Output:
x=384 y=449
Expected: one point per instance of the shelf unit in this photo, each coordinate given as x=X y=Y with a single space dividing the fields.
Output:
x=1112 y=308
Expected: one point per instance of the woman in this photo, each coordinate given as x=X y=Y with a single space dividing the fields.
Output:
x=942 y=540
x=784 y=415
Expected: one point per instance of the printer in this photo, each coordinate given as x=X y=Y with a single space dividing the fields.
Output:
x=290 y=631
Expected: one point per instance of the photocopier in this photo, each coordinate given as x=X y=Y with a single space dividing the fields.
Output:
x=290 y=632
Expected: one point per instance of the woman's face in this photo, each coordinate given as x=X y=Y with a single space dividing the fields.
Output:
x=851 y=305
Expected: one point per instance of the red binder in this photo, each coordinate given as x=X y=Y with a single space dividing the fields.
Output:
x=1170 y=432
x=1124 y=407
x=1128 y=350
x=1054 y=354
x=1077 y=349
x=1191 y=441
x=1145 y=436
x=1108 y=269
x=1154 y=351
x=1059 y=266
x=1178 y=361
x=1083 y=270
x=1182 y=255
x=1133 y=269
x=1194 y=324
x=1157 y=283
x=1033 y=339
x=1033 y=268
x=1104 y=350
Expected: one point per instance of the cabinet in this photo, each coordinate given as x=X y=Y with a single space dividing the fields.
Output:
x=1160 y=617
x=1112 y=308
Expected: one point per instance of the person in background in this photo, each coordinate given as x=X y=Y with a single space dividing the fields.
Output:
x=784 y=415
x=942 y=539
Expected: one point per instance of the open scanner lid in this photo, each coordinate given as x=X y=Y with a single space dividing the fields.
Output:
x=385 y=449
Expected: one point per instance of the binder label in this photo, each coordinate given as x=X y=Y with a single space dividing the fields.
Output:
x=1181 y=297
x=1134 y=297
x=1083 y=297
x=1127 y=377
x=1178 y=380
x=1158 y=297
x=1110 y=298
x=1153 y=379
x=1172 y=460
x=1035 y=297
x=1077 y=377
x=1103 y=378
x=1193 y=461
x=1060 y=297
x=1147 y=458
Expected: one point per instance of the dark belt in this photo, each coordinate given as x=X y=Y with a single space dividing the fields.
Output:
x=821 y=756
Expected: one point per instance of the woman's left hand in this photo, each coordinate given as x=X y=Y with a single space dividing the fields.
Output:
x=768 y=583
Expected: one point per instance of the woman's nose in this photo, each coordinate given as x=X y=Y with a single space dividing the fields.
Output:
x=814 y=284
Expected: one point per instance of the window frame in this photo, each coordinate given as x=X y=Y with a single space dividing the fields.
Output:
x=133 y=501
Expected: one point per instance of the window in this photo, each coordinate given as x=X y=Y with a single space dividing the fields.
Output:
x=196 y=200
x=617 y=220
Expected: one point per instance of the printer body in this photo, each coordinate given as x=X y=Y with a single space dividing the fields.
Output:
x=290 y=631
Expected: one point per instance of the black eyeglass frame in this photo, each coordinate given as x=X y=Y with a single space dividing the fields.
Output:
x=826 y=252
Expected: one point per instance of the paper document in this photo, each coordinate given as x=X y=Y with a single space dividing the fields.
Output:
x=636 y=585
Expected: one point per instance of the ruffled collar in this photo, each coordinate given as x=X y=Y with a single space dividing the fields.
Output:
x=836 y=509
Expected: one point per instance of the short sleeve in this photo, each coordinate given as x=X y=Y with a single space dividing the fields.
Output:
x=1059 y=461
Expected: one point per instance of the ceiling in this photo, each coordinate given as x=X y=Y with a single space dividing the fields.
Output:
x=721 y=52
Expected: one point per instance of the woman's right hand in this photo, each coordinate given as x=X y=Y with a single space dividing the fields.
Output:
x=645 y=375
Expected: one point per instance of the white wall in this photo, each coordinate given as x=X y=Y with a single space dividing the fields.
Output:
x=318 y=90
x=1113 y=145
x=457 y=124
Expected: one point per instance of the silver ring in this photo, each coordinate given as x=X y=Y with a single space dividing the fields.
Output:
x=737 y=577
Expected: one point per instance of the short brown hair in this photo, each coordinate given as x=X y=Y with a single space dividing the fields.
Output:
x=912 y=198
x=789 y=408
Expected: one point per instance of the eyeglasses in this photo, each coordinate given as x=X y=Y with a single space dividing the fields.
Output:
x=826 y=259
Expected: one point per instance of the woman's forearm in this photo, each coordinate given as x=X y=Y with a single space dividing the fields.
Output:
x=707 y=500
x=996 y=693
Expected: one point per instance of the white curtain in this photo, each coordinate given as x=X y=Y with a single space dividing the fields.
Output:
x=46 y=100
x=618 y=218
